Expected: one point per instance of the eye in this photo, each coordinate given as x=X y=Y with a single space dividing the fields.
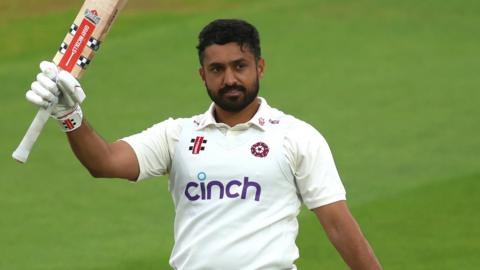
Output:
x=240 y=66
x=215 y=69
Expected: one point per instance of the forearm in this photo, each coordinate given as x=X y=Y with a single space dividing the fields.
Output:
x=90 y=149
x=345 y=234
x=353 y=247
x=102 y=159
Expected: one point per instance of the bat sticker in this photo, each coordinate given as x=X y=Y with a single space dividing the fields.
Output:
x=92 y=15
x=83 y=62
x=93 y=43
x=78 y=43
x=73 y=29
x=63 y=48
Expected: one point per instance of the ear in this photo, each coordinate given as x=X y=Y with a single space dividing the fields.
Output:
x=201 y=71
x=260 y=67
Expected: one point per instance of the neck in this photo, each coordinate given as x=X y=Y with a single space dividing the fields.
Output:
x=235 y=118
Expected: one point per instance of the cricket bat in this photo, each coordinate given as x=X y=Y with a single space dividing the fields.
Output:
x=74 y=55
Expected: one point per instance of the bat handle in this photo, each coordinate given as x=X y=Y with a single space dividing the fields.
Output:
x=25 y=146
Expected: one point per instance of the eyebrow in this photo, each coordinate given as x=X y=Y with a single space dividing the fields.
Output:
x=236 y=61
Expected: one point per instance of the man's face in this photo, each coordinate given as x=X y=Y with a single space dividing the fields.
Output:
x=231 y=75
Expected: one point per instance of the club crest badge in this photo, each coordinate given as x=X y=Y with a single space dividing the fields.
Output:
x=260 y=149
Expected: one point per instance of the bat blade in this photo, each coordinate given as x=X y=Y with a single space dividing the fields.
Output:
x=86 y=34
x=74 y=55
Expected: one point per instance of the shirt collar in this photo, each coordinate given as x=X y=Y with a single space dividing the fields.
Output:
x=257 y=120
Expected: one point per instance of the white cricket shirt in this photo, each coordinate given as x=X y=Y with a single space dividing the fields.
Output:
x=237 y=190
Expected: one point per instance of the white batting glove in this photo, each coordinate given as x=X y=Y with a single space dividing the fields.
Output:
x=60 y=91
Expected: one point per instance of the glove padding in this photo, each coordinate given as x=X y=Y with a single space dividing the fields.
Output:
x=56 y=88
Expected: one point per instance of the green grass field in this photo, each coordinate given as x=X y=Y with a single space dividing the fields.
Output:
x=392 y=85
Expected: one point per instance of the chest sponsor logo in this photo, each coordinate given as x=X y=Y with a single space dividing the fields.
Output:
x=198 y=145
x=205 y=190
x=260 y=149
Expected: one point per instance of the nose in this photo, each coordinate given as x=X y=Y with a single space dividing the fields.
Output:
x=230 y=77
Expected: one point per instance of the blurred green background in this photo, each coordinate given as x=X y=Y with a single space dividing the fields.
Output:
x=392 y=85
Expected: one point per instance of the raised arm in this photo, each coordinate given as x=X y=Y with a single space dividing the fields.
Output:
x=63 y=93
x=345 y=234
x=102 y=159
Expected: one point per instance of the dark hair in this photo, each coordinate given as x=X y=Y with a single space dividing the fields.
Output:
x=223 y=31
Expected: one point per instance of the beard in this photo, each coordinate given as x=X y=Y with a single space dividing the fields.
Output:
x=234 y=103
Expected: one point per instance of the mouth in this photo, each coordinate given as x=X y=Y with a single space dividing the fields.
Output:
x=233 y=93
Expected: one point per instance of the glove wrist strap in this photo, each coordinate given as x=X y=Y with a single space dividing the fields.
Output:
x=71 y=121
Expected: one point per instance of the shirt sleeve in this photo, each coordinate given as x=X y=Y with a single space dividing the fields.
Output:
x=315 y=172
x=154 y=147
